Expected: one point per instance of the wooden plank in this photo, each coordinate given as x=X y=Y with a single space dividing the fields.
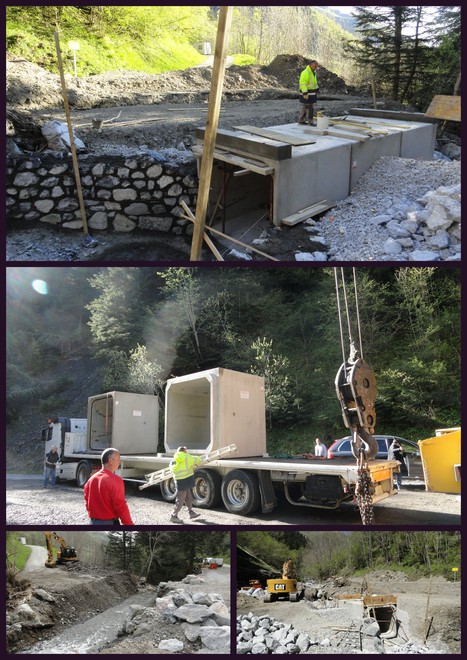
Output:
x=392 y=114
x=250 y=144
x=445 y=107
x=345 y=135
x=294 y=140
x=234 y=240
x=212 y=121
x=304 y=214
x=233 y=159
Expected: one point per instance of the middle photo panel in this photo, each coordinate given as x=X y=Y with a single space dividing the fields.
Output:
x=233 y=396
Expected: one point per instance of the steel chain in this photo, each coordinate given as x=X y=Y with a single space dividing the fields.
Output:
x=364 y=492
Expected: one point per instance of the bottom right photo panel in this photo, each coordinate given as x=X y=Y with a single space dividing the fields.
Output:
x=340 y=592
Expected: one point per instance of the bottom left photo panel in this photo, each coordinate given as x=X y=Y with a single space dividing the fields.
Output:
x=118 y=592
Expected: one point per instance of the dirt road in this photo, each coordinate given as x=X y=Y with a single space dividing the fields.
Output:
x=37 y=559
x=27 y=503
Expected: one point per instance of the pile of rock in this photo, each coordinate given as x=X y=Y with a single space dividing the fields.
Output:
x=400 y=210
x=264 y=634
x=183 y=622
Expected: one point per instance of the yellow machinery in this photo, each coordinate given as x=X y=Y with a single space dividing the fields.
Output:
x=441 y=460
x=285 y=588
x=64 y=554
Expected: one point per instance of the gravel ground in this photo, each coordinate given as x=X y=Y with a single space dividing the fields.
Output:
x=322 y=620
x=391 y=185
x=27 y=503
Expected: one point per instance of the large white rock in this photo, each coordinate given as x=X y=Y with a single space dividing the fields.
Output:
x=173 y=645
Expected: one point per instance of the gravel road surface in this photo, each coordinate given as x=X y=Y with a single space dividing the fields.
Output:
x=27 y=503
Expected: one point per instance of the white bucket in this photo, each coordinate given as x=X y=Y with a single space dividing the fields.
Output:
x=322 y=123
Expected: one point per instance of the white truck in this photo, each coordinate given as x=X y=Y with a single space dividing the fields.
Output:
x=206 y=411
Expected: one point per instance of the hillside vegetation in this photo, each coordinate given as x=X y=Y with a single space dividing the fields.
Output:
x=320 y=555
x=158 y=39
x=145 y=325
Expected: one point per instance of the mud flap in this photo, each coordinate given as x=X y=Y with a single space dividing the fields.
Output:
x=268 y=497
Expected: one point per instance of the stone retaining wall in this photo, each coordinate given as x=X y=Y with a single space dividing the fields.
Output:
x=121 y=193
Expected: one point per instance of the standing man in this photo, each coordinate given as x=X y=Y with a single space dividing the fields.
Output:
x=104 y=493
x=50 y=464
x=396 y=453
x=183 y=468
x=320 y=449
x=308 y=93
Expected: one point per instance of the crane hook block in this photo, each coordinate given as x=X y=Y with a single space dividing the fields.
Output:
x=356 y=391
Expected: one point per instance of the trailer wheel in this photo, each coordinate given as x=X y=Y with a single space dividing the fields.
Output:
x=207 y=489
x=169 y=490
x=83 y=472
x=240 y=492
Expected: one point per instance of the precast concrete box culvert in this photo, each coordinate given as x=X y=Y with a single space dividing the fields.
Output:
x=290 y=172
x=212 y=409
x=376 y=614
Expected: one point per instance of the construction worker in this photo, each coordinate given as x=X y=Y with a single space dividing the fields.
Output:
x=287 y=569
x=308 y=93
x=183 y=466
x=104 y=493
x=51 y=459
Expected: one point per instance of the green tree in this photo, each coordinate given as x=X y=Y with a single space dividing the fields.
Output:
x=274 y=367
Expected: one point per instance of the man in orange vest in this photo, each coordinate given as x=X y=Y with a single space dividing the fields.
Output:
x=308 y=93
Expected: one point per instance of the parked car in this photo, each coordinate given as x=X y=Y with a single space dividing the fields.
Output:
x=341 y=449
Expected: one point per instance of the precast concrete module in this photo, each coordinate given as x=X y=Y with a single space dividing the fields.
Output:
x=295 y=171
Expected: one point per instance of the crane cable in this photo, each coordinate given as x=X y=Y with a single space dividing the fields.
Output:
x=352 y=349
x=364 y=485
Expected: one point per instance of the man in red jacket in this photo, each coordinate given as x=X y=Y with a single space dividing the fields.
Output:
x=104 y=493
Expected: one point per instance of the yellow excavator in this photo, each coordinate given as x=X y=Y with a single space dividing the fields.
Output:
x=65 y=553
x=285 y=587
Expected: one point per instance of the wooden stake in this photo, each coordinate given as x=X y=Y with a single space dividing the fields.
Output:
x=218 y=70
x=209 y=243
x=234 y=240
x=72 y=138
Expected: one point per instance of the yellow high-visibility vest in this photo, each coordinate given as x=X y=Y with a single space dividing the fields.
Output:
x=184 y=464
x=308 y=80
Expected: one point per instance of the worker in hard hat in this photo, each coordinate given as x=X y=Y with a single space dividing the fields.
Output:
x=183 y=467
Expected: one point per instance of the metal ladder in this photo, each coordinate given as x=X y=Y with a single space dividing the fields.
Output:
x=166 y=473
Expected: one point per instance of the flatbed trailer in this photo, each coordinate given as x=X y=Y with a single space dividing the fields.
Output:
x=246 y=485
x=207 y=412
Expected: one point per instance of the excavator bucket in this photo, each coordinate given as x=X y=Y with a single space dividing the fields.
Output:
x=445 y=107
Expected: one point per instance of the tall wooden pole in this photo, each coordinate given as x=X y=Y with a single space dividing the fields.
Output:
x=218 y=71
x=74 y=157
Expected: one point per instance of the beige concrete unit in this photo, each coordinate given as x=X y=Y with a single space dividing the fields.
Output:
x=322 y=165
x=211 y=409
x=129 y=422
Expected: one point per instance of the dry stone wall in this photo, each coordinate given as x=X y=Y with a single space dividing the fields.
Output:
x=121 y=192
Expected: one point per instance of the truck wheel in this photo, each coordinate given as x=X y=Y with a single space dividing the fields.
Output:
x=169 y=490
x=240 y=492
x=83 y=472
x=207 y=489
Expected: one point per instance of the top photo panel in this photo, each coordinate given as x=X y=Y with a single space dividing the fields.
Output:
x=176 y=134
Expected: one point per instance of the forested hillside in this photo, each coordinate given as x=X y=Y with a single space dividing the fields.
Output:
x=320 y=555
x=144 y=325
x=408 y=53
